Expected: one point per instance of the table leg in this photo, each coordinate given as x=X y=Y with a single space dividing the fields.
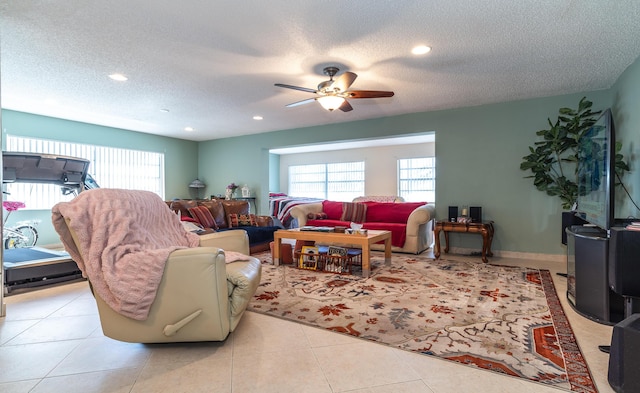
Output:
x=491 y=232
x=366 y=258
x=436 y=234
x=387 y=251
x=485 y=240
x=277 y=243
x=446 y=242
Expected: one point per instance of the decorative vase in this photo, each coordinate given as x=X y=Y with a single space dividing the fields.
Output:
x=228 y=194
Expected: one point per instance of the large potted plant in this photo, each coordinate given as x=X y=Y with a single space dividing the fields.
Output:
x=552 y=161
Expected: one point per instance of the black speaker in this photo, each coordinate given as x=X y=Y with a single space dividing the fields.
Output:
x=475 y=212
x=624 y=261
x=453 y=213
x=624 y=357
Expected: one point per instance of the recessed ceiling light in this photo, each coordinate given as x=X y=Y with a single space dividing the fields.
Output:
x=257 y=117
x=421 y=50
x=164 y=110
x=188 y=128
x=118 y=77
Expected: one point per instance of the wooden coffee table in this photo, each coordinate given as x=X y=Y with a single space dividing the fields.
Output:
x=363 y=241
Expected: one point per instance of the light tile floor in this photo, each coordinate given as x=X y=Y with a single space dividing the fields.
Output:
x=51 y=341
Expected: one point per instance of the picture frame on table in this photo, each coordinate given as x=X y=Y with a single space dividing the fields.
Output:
x=309 y=258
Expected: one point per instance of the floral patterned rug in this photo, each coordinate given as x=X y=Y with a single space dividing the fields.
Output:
x=499 y=318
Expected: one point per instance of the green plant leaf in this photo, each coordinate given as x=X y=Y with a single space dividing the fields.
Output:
x=552 y=160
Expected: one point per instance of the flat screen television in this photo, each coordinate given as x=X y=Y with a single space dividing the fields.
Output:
x=596 y=173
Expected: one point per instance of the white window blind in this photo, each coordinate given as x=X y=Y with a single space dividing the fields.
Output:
x=110 y=167
x=417 y=179
x=334 y=181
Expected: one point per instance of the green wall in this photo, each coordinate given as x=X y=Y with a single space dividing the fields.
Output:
x=478 y=154
x=181 y=162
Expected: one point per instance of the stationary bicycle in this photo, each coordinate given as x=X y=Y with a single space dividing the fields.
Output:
x=24 y=234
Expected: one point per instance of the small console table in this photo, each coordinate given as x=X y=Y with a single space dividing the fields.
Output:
x=250 y=200
x=483 y=228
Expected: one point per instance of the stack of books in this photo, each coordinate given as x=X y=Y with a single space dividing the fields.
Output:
x=316 y=229
x=634 y=226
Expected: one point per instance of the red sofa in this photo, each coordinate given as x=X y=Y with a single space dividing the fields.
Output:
x=410 y=223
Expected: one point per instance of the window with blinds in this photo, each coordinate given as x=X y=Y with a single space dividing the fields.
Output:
x=335 y=181
x=110 y=167
x=417 y=179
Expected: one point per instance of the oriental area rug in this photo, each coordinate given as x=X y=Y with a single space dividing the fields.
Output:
x=499 y=318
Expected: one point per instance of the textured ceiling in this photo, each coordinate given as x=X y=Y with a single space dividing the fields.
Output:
x=213 y=63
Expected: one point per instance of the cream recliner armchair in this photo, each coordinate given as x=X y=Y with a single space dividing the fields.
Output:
x=200 y=297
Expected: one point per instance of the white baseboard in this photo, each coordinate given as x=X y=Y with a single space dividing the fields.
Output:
x=514 y=254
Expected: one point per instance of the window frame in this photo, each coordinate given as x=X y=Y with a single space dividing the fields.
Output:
x=428 y=193
x=336 y=181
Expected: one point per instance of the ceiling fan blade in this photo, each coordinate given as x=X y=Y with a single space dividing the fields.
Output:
x=296 y=88
x=343 y=82
x=369 y=94
x=346 y=107
x=307 y=101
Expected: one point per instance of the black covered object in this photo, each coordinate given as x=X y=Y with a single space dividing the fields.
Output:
x=475 y=212
x=624 y=262
x=624 y=358
x=587 y=276
x=453 y=213
x=568 y=220
x=257 y=235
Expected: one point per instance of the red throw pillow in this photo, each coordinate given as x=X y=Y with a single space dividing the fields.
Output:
x=185 y=218
x=353 y=212
x=203 y=216
x=242 y=220
x=332 y=209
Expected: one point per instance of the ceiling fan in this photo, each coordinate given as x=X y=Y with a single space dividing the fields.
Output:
x=333 y=94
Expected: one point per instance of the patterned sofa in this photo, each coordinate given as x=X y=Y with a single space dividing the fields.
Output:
x=410 y=223
x=223 y=215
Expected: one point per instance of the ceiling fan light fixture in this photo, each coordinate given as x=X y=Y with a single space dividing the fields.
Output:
x=331 y=103
x=332 y=94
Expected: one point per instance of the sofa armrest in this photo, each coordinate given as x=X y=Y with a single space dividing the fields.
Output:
x=243 y=278
x=227 y=240
x=421 y=215
x=299 y=212
x=265 y=221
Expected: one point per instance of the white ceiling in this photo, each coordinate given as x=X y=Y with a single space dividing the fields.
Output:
x=213 y=63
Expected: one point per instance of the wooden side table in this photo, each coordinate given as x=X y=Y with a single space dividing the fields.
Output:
x=484 y=228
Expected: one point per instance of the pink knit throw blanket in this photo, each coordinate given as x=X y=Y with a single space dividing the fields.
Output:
x=124 y=240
